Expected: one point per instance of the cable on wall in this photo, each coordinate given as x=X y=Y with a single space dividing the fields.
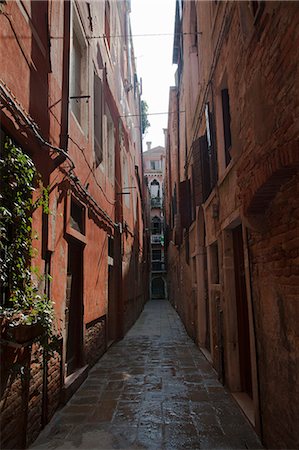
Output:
x=24 y=120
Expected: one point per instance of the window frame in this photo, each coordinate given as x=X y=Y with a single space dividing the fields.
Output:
x=98 y=140
x=78 y=30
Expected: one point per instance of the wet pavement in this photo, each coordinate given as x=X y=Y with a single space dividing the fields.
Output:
x=152 y=390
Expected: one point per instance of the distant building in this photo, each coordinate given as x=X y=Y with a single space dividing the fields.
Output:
x=154 y=170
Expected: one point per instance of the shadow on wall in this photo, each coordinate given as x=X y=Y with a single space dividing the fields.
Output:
x=135 y=281
x=24 y=374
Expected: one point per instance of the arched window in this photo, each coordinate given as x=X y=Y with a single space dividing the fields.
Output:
x=155 y=189
x=156 y=225
x=158 y=288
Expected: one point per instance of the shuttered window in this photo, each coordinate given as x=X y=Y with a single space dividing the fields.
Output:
x=211 y=139
x=107 y=22
x=201 y=171
x=98 y=120
x=185 y=203
x=226 y=124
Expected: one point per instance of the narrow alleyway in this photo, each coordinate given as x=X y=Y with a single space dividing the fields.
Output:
x=152 y=390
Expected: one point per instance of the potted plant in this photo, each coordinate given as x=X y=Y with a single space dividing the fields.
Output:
x=25 y=314
x=27 y=321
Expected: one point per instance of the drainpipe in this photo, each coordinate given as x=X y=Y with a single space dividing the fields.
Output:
x=118 y=276
x=63 y=143
x=65 y=76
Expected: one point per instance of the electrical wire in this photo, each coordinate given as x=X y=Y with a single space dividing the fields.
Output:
x=103 y=36
x=18 y=113
x=91 y=170
x=153 y=114
x=11 y=100
x=212 y=69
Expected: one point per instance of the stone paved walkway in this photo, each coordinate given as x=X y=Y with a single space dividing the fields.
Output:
x=152 y=390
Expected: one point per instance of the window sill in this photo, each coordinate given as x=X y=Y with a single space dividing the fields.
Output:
x=226 y=172
x=78 y=123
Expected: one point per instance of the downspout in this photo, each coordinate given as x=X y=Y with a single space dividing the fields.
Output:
x=118 y=236
x=178 y=154
x=65 y=76
x=63 y=143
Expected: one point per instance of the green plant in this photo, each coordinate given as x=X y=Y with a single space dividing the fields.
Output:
x=144 y=116
x=23 y=303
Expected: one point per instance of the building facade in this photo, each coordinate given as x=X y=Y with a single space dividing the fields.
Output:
x=154 y=170
x=70 y=101
x=232 y=201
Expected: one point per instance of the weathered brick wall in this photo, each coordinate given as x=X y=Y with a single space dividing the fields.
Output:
x=35 y=395
x=266 y=123
x=275 y=274
x=257 y=60
x=21 y=403
x=54 y=383
x=180 y=287
x=95 y=340
x=11 y=398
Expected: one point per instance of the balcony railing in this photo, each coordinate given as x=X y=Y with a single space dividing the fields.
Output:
x=156 y=202
x=156 y=238
x=158 y=266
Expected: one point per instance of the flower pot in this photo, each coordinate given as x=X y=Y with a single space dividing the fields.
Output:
x=22 y=333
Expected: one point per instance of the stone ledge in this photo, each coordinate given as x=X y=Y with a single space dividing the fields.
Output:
x=72 y=383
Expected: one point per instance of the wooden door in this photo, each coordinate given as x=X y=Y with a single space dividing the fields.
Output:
x=112 y=310
x=74 y=307
x=242 y=312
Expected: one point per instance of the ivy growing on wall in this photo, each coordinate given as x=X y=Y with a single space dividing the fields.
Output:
x=21 y=301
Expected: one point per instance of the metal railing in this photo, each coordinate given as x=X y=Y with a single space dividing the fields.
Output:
x=158 y=266
x=156 y=202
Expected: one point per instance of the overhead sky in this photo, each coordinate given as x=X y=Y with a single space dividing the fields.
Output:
x=154 y=59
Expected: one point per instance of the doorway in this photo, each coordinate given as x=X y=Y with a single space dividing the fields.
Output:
x=242 y=312
x=74 y=307
x=158 y=288
x=112 y=309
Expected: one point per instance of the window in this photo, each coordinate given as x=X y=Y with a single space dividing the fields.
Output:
x=98 y=120
x=193 y=25
x=185 y=203
x=207 y=116
x=110 y=246
x=107 y=22
x=201 y=178
x=126 y=180
x=155 y=189
x=226 y=124
x=155 y=165
x=211 y=141
x=156 y=255
x=77 y=216
x=156 y=225
x=110 y=145
x=76 y=85
x=78 y=81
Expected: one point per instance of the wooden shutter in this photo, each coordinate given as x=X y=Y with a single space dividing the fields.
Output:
x=98 y=119
x=107 y=22
x=205 y=167
x=201 y=174
x=185 y=203
x=212 y=147
x=196 y=174
x=226 y=124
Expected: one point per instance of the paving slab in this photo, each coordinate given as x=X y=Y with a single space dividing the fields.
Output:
x=152 y=390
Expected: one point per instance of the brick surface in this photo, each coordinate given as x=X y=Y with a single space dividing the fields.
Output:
x=152 y=390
